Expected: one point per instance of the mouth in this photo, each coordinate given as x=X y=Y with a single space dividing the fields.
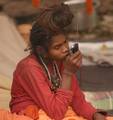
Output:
x=67 y=54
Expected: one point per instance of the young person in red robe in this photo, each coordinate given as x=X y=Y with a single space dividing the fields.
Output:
x=46 y=79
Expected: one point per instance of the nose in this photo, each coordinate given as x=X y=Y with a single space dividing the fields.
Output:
x=65 y=48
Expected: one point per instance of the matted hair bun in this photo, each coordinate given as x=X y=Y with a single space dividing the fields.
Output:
x=62 y=16
x=55 y=18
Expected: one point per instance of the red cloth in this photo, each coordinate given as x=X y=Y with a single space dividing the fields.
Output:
x=31 y=86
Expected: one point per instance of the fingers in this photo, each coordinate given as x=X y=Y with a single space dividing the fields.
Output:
x=76 y=58
x=78 y=63
x=74 y=61
x=75 y=55
x=71 y=57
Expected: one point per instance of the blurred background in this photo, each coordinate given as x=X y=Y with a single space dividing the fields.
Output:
x=99 y=24
x=92 y=27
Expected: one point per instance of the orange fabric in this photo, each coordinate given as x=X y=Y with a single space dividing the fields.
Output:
x=36 y=3
x=6 y=115
x=31 y=111
x=70 y=115
x=109 y=118
x=89 y=6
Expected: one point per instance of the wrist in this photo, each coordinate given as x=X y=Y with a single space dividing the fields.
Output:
x=99 y=115
x=102 y=112
x=95 y=115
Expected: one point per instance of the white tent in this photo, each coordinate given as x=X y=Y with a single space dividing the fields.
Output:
x=12 y=48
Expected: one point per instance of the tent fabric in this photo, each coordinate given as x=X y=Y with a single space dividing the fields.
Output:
x=101 y=99
x=11 y=47
x=97 y=52
x=11 y=51
x=4 y=98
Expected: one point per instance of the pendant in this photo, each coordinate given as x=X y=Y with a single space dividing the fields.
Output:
x=55 y=82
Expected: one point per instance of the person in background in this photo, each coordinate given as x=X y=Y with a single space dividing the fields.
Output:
x=45 y=81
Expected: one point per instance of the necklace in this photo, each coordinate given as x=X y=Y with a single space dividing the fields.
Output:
x=54 y=78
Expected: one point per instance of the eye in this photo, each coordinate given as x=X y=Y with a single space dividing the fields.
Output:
x=57 y=47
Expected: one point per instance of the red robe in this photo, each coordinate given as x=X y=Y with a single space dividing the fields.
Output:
x=31 y=86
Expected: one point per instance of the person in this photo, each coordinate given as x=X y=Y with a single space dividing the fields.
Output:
x=45 y=81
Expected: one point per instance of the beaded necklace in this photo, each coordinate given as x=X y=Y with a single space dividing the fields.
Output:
x=54 y=78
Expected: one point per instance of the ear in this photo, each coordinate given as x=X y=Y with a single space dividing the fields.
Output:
x=41 y=51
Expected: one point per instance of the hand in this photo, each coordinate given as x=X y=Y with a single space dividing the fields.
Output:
x=73 y=62
x=99 y=116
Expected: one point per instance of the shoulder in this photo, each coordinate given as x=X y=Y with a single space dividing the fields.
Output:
x=28 y=62
x=28 y=69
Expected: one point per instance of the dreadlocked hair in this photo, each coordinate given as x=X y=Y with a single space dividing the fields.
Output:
x=39 y=36
x=56 y=17
x=50 y=22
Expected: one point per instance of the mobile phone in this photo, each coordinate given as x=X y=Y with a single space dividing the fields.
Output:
x=73 y=47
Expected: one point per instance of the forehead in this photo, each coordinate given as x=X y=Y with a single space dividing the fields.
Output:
x=58 y=39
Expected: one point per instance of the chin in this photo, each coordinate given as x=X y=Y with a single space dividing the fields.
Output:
x=59 y=59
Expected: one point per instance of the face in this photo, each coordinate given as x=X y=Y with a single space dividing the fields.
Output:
x=58 y=48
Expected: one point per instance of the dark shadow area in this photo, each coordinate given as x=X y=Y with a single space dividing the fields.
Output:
x=96 y=78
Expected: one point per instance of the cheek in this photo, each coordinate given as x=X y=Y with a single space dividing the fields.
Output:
x=56 y=55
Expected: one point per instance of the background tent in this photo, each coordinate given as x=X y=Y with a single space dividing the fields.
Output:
x=11 y=47
x=11 y=51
